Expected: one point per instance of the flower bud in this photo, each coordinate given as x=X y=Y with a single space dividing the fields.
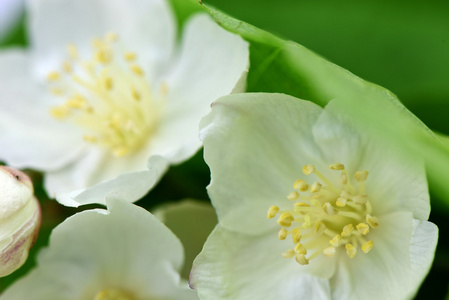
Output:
x=20 y=218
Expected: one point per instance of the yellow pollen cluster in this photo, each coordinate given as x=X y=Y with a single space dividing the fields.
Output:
x=113 y=294
x=326 y=217
x=107 y=95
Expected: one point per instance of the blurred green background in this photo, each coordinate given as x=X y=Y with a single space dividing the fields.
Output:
x=401 y=45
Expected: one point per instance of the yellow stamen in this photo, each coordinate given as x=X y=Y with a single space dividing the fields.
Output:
x=351 y=251
x=137 y=70
x=282 y=235
x=301 y=185
x=361 y=176
x=363 y=228
x=347 y=230
x=53 y=76
x=286 y=220
x=308 y=169
x=367 y=246
x=372 y=221
x=296 y=236
x=293 y=196
x=272 y=211
x=329 y=251
x=336 y=166
x=316 y=187
x=301 y=259
x=130 y=56
x=289 y=253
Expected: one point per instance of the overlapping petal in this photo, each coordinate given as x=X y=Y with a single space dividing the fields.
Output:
x=265 y=159
x=125 y=249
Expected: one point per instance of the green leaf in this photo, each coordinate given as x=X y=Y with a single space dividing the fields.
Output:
x=287 y=67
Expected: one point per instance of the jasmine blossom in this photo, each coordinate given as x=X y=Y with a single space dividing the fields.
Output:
x=104 y=100
x=121 y=253
x=311 y=205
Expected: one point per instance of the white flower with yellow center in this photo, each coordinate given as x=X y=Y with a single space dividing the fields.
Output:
x=103 y=91
x=123 y=253
x=310 y=206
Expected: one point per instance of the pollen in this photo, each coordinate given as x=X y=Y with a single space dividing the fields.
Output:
x=114 y=294
x=327 y=215
x=107 y=95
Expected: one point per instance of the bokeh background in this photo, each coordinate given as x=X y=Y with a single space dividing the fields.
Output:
x=401 y=45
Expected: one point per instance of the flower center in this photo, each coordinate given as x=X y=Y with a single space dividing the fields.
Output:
x=326 y=217
x=113 y=294
x=108 y=96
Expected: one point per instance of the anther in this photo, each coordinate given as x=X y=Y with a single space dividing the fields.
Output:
x=329 y=209
x=347 y=230
x=53 y=76
x=130 y=56
x=67 y=67
x=272 y=211
x=320 y=227
x=336 y=241
x=108 y=83
x=337 y=166
x=301 y=185
x=90 y=138
x=103 y=56
x=298 y=206
x=367 y=246
x=361 y=176
x=293 y=196
x=299 y=248
x=301 y=259
x=135 y=94
x=308 y=169
x=137 y=70
x=296 y=236
x=286 y=220
x=360 y=199
x=59 y=112
x=316 y=187
x=363 y=228
x=289 y=253
x=72 y=50
x=329 y=251
x=341 y=202
x=351 y=251
x=111 y=37
x=282 y=235
x=372 y=221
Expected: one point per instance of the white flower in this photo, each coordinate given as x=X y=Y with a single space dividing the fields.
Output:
x=346 y=214
x=103 y=90
x=124 y=253
x=20 y=218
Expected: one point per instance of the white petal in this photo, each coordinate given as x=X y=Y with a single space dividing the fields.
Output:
x=145 y=26
x=191 y=221
x=128 y=184
x=32 y=138
x=237 y=266
x=383 y=273
x=126 y=249
x=255 y=145
x=396 y=182
x=211 y=64
x=422 y=252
